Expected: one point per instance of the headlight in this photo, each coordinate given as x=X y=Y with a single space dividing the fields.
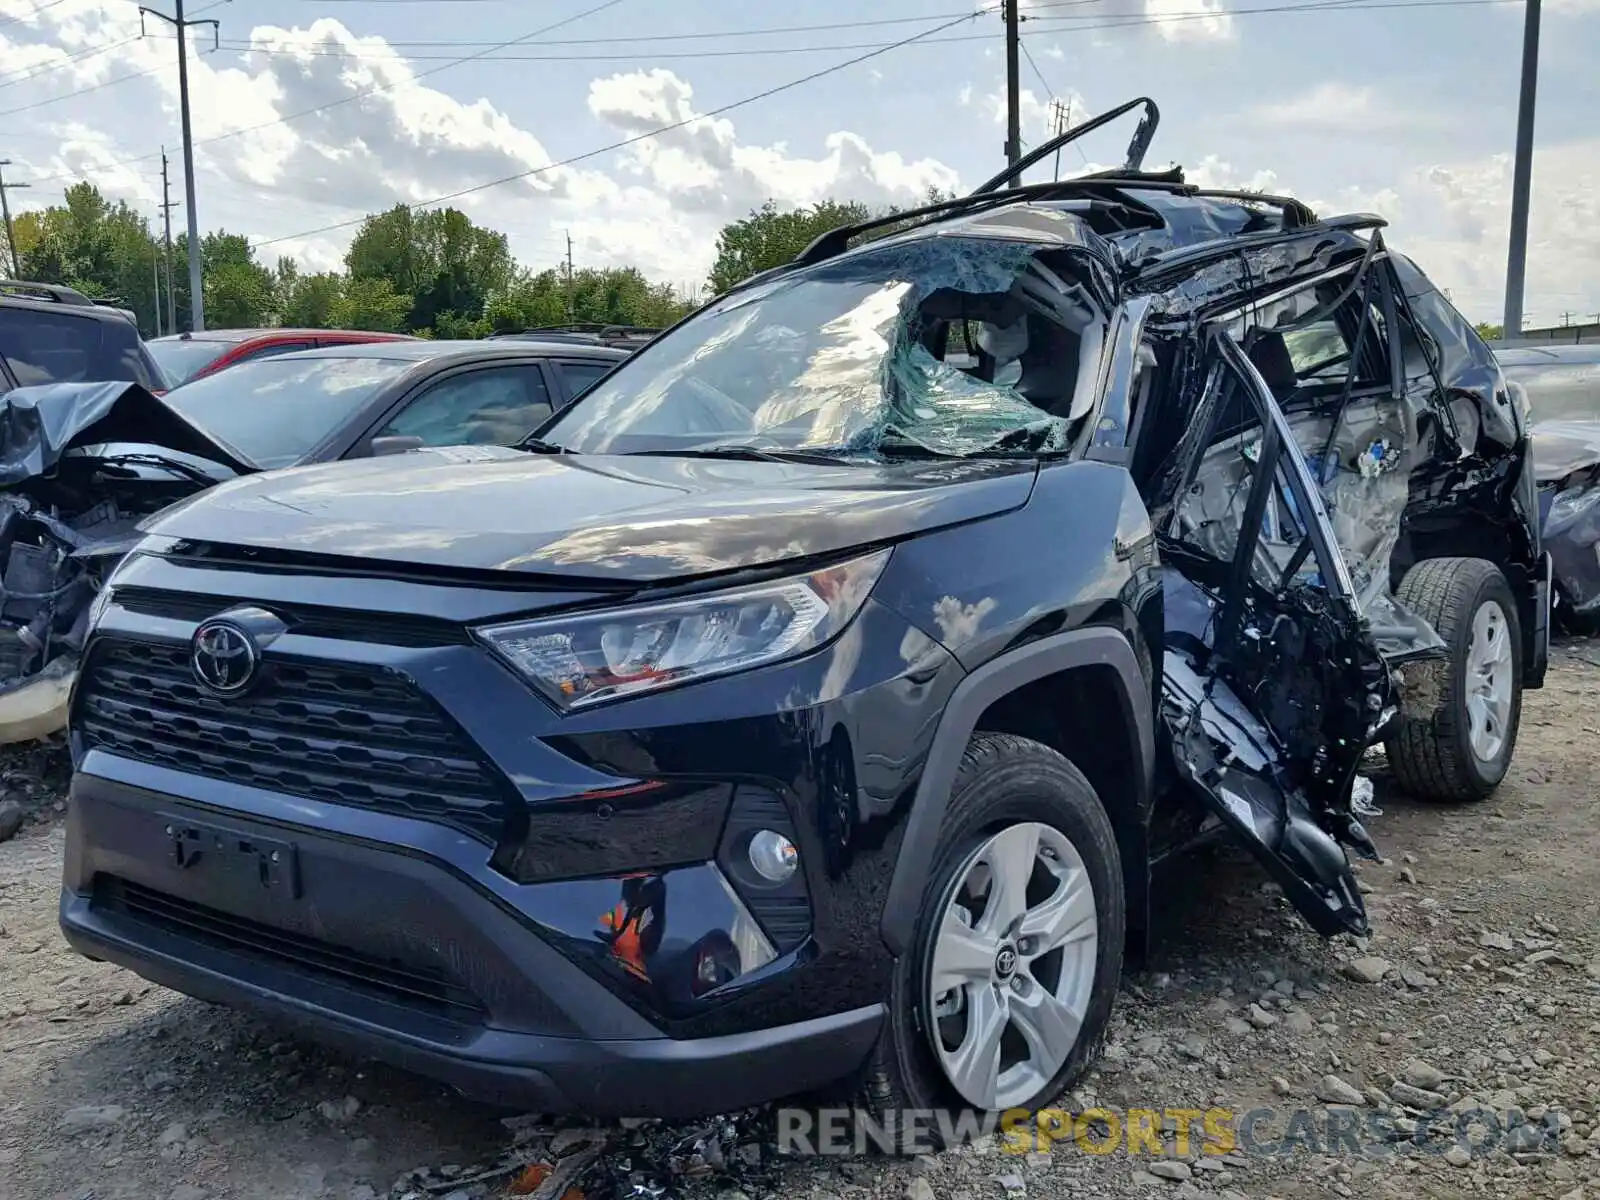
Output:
x=587 y=659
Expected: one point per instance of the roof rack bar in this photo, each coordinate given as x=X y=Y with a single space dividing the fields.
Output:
x=46 y=291
x=1142 y=137
x=1187 y=256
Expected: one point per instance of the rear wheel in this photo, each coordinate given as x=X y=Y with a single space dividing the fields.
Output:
x=1004 y=999
x=1458 y=728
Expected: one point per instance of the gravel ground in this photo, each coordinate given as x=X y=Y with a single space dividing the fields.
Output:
x=1480 y=987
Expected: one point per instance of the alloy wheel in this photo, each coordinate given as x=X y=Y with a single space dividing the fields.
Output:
x=1488 y=681
x=1013 y=965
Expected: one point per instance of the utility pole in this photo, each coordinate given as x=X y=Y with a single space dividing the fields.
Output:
x=197 y=311
x=1060 y=121
x=570 y=312
x=155 y=282
x=5 y=211
x=1013 y=96
x=167 y=205
x=1522 y=172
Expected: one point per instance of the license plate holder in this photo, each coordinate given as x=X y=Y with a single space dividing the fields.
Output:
x=235 y=858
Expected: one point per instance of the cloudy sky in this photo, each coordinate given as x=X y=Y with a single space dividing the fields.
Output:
x=316 y=111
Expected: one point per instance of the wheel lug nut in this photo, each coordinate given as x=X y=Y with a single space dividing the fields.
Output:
x=1017 y=985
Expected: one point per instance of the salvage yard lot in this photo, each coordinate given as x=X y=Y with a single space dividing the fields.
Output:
x=1486 y=917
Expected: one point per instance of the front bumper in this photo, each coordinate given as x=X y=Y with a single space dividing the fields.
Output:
x=395 y=956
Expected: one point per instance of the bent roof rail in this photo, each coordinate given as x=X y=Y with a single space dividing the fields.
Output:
x=1142 y=137
x=1187 y=257
x=28 y=290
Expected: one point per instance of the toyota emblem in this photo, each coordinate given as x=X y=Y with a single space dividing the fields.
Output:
x=223 y=657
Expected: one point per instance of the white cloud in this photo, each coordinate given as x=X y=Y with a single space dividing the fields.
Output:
x=1454 y=219
x=1457 y=219
x=1190 y=20
x=1334 y=107
x=383 y=135
x=703 y=166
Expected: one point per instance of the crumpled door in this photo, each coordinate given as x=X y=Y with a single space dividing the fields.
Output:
x=1273 y=686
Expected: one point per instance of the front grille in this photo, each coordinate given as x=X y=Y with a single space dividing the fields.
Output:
x=346 y=734
x=390 y=629
x=425 y=988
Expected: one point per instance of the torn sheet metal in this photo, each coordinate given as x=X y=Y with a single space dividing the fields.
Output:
x=1572 y=536
x=1363 y=467
x=1563 y=447
x=1223 y=751
x=39 y=424
x=1467 y=367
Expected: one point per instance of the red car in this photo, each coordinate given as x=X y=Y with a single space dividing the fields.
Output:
x=186 y=356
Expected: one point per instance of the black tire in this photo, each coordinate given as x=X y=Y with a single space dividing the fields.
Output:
x=1431 y=752
x=1003 y=780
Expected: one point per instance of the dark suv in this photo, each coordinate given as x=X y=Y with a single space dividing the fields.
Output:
x=53 y=334
x=811 y=702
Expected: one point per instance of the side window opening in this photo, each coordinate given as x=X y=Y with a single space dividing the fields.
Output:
x=493 y=407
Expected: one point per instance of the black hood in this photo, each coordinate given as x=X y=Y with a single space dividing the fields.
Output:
x=1562 y=447
x=613 y=518
x=38 y=424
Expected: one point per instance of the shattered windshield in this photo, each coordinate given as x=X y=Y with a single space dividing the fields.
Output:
x=945 y=345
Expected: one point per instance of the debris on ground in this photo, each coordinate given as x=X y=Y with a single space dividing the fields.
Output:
x=635 y=1160
x=34 y=777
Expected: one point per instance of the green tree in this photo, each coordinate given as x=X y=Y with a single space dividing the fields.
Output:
x=770 y=237
x=370 y=304
x=238 y=296
x=310 y=301
x=1488 y=332
x=102 y=249
x=437 y=257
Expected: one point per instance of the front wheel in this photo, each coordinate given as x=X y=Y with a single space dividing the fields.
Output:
x=1460 y=715
x=1004 y=998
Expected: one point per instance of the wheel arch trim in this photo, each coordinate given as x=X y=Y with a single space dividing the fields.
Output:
x=1077 y=649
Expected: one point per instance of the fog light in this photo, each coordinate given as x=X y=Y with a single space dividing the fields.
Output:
x=773 y=856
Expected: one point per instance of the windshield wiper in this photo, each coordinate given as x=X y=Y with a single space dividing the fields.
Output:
x=193 y=474
x=540 y=446
x=748 y=453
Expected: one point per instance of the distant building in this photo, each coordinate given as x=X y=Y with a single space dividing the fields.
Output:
x=1562 y=334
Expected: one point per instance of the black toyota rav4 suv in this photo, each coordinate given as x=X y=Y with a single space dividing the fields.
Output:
x=812 y=699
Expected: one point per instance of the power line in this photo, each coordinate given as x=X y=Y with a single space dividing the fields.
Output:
x=34 y=72
x=34 y=13
x=245 y=47
x=1059 y=118
x=1315 y=6
x=720 y=34
x=651 y=133
x=382 y=87
x=83 y=91
x=28 y=73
